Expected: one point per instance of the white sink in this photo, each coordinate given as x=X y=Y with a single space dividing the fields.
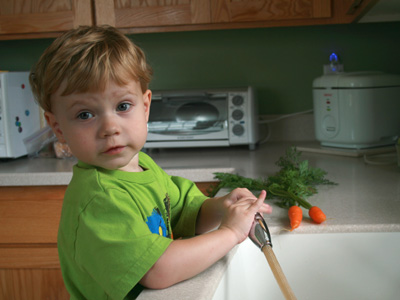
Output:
x=345 y=266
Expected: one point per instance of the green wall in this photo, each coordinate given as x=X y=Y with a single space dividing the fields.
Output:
x=280 y=63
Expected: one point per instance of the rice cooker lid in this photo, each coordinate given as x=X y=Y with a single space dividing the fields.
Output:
x=356 y=80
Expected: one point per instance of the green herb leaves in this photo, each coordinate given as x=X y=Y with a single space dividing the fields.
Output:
x=294 y=182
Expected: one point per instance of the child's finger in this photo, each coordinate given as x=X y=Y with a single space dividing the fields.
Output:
x=264 y=208
x=247 y=202
x=253 y=198
x=259 y=202
x=263 y=194
x=241 y=193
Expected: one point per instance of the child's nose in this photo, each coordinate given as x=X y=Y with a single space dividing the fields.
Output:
x=109 y=126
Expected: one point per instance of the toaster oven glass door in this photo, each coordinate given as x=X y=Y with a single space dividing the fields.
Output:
x=198 y=116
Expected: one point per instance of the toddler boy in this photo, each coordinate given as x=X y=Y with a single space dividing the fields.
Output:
x=123 y=216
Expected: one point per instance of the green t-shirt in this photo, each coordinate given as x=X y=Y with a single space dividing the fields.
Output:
x=115 y=225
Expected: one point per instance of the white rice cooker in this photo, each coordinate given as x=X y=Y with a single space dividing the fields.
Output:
x=357 y=110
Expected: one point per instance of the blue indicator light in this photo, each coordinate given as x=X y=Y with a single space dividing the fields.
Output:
x=333 y=58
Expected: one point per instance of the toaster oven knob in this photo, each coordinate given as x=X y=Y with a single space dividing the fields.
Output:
x=237 y=114
x=237 y=100
x=238 y=130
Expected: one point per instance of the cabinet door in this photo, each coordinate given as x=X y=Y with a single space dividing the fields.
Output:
x=32 y=284
x=268 y=10
x=30 y=215
x=41 y=18
x=151 y=13
x=29 y=265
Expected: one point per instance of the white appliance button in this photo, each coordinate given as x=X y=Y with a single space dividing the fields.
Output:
x=329 y=126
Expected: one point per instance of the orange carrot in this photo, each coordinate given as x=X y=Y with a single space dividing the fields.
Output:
x=316 y=214
x=295 y=216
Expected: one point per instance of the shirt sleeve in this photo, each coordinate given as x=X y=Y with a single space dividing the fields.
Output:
x=187 y=200
x=114 y=245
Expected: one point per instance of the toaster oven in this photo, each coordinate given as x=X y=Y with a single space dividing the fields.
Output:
x=203 y=118
x=19 y=113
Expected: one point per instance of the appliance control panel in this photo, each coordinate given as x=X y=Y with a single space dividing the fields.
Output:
x=238 y=116
x=330 y=110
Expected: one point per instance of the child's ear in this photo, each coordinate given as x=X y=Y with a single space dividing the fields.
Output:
x=147 y=102
x=52 y=121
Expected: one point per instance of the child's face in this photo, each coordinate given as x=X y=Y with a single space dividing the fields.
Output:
x=105 y=129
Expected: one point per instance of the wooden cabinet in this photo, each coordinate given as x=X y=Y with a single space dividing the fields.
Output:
x=143 y=14
x=29 y=265
x=267 y=13
x=266 y=10
x=21 y=19
x=43 y=18
x=137 y=16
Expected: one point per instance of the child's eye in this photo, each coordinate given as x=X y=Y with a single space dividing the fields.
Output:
x=123 y=107
x=85 y=115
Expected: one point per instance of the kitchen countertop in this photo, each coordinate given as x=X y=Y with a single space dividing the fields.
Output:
x=366 y=199
x=51 y=171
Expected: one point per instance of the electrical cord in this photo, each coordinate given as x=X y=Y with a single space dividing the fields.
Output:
x=381 y=159
x=267 y=122
x=285 y=116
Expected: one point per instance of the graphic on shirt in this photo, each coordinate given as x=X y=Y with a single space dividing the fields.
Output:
x=167 y=205
x=156 y=223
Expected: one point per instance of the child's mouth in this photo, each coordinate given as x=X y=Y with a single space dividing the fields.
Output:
x=114 y=150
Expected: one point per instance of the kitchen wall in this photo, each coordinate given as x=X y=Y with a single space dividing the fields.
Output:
x=280 y=63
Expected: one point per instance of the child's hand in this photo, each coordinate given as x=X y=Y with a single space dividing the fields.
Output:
x=240 y=213
x=240 y=193
x=214 y=209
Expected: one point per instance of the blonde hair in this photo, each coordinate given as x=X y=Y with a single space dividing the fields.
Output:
x=87 y=58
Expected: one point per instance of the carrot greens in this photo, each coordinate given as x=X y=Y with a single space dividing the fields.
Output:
x=291 y=185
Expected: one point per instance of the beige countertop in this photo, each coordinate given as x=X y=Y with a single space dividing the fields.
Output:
x=52 y=171
x=367 y=197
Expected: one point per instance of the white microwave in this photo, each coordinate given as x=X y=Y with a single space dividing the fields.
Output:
x=203 y=118
x=19 y=113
